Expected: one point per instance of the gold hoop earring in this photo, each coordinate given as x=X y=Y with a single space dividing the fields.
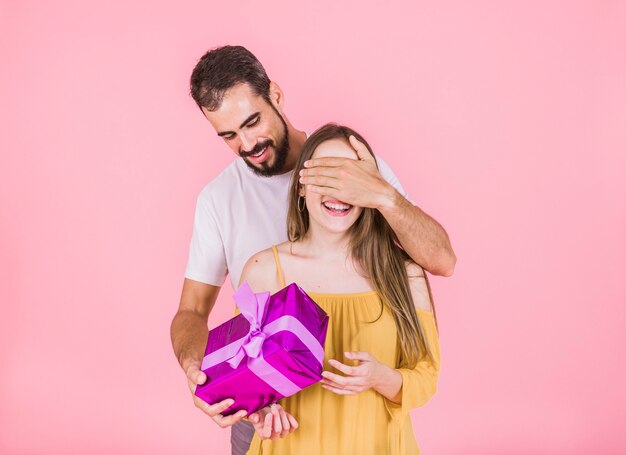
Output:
x=301 y=209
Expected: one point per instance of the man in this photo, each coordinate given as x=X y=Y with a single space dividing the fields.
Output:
x=243 y=210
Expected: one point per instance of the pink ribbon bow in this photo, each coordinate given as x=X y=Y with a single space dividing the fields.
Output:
x=252 y=307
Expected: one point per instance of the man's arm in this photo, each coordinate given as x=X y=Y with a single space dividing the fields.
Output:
x=189 y=329
x=358 y=182
x=423 y=238
x=189 y=333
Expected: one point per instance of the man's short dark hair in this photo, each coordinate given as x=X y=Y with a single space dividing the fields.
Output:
x=221 y=69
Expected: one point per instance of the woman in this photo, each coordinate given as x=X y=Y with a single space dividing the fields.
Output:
x=381 y=352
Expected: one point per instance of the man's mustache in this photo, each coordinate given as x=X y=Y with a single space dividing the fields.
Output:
x=257 y=148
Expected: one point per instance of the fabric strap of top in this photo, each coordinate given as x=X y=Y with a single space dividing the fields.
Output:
x=281 y=278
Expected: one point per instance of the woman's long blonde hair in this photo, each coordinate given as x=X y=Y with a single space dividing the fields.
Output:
x=374 y=247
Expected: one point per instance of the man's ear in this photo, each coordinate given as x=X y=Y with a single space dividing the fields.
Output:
x=277 y=97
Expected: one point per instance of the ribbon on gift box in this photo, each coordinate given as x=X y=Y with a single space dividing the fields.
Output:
x=252 y=307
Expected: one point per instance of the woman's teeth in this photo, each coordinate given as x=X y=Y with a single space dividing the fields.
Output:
x=337 y=207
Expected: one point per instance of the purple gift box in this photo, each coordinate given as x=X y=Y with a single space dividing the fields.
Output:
x=273 y=349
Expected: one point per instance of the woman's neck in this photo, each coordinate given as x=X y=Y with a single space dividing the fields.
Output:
x=321 y=244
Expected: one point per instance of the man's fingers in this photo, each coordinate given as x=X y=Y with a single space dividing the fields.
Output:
x=360 y=149
x=195 y=375
x=326 y=162
x=200 y=378
x=203 y=406
x=227 y=421
x=195 y=380
x=215 y=411
x=218 y=408
x=325 y=171
x=320 y=180
x=323 y=190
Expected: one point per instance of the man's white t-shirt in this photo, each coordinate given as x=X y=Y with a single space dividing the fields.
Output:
x=238 y=214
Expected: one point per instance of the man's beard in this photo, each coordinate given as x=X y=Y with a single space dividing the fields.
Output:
x=281 y=151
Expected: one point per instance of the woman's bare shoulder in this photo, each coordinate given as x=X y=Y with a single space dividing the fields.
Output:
x=413 y=270
x=418 y=285
x=260 y=271
x=285 y=248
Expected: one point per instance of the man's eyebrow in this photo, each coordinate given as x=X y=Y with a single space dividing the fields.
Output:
x=245 y=122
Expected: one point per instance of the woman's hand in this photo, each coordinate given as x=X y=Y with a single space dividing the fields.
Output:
x=367 y=374
x=273 y=422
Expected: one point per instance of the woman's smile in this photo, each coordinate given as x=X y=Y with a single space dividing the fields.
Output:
x=335 y=207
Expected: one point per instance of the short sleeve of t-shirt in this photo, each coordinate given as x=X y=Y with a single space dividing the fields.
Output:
x=390 y=177
x=207 y=259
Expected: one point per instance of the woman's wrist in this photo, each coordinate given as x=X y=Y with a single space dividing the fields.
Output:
x=388 y=382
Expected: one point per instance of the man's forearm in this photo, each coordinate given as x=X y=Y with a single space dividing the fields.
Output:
x=423 y=238
x=189 y=333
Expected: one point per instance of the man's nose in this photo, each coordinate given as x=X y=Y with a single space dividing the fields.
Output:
x=247 y=142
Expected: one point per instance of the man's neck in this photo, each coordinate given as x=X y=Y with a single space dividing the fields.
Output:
x=296 y=141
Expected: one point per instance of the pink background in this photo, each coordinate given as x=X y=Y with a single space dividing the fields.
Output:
x=505 y=121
